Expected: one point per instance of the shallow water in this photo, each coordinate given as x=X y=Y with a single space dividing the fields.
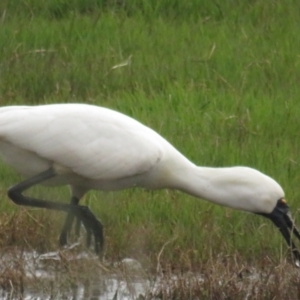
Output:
x=127 y=282
x=70 y=275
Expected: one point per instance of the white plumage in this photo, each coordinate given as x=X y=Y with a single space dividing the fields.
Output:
x=97 y=148
x=95 y=143
x=90 y=147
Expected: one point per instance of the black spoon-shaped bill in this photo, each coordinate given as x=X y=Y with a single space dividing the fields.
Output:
x=282 y=219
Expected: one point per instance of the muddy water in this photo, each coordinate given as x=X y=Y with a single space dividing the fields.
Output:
x=29 y=275
x=68 y=274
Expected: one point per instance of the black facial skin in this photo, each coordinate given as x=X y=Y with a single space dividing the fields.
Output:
x=281 y=218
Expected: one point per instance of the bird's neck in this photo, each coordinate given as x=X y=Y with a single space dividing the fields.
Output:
x=213 y=184
x=199 y=182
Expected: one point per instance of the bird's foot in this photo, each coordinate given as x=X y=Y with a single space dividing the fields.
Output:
x=92 y=225
x=63 y=238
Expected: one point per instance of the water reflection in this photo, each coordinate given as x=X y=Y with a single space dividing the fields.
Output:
x=57 y=275
x=71 y=275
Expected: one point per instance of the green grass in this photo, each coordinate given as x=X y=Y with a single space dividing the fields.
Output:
x=220 y=81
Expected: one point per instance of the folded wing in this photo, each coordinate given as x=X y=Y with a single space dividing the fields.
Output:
x=93 y=142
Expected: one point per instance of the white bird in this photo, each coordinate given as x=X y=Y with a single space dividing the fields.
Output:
x=89 y=147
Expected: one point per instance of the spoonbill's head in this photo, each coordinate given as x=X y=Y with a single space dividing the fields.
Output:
x=248 y=189
x=282 y=219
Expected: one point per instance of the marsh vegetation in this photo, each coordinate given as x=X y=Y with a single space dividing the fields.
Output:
x=219 y=80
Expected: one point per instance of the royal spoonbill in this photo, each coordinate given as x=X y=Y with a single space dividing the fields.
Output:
x=90 y=147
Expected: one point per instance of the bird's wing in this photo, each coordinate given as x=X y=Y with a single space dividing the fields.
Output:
x=93 y=142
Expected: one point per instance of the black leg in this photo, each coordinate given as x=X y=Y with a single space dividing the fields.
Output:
x=68 y=224
x=77 y=228
x=83 y=213
x=63 y=239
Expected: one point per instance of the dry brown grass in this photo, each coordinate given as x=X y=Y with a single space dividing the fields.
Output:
x=69 y=272
x=65 y=272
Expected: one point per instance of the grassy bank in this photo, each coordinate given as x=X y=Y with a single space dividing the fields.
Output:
x=219 y=81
